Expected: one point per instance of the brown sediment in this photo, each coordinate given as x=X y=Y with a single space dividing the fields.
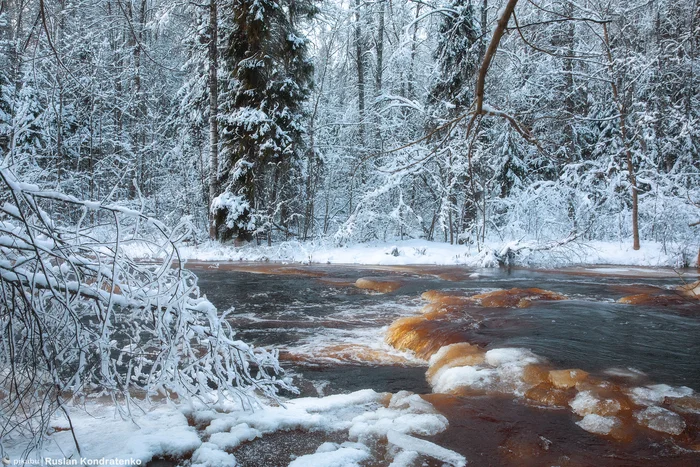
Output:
x=380 y=285
x=424 y=336
x=446 y=297
x=536 y=374
x=656 y=299
x=504 y=298
x=684 y=404
x=548 y=395
x=515 y=298
x=501 y=431
x=565 y=379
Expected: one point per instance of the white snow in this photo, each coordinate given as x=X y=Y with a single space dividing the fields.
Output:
x=332 y=455
x=366 y=417
x=501 y=372
x=586 y=403
x=656 y=393
x=161 y=431
x=425 y=252
x=598 y=424
x=411 y=443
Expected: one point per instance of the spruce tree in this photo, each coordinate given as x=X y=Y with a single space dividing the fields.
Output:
x=269 y=77
x=457 y=55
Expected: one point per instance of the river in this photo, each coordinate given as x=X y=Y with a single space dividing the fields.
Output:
x=335 y=337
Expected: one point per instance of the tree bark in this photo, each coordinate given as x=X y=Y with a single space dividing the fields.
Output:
x=490 y=52
x=359 y=57
x=213 y=114
x=623 y=133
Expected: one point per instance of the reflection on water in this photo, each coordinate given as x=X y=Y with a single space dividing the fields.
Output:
x=528 y=376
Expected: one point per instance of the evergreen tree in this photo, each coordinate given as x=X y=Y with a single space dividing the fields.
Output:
x=269 y=79
x=457 y=54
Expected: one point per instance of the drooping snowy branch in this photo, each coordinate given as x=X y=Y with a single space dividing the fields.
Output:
x=80 y=319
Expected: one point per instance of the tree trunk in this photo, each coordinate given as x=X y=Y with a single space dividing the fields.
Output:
x=213 y=114
x=360 y=58
x=623 y=133
x=378 y=76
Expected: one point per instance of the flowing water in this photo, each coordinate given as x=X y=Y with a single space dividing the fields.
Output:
x=338 y=334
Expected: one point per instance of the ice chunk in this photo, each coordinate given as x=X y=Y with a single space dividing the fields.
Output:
x=463 y=376
x=655 y=394
x=660 y=419
x=410 y=443
x=497 y=357
x=564 y=379
x=405 y=459
x=345 y=456
x=586 y=403
x=599 y=424
x=406 y=413
x=450 y=356
x=535 y=374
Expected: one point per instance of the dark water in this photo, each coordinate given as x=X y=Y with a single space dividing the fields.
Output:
x=590 y=331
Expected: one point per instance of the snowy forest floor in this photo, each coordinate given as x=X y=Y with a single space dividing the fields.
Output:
x=405 y=252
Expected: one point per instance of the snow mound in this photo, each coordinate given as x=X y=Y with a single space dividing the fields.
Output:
x=501 y=372
x=369 y=419
x=333 y=455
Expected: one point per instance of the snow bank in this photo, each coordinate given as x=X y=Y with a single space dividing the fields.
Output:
x=162 y=431
x=408 y=252
x=333 y=455
x=378 y=427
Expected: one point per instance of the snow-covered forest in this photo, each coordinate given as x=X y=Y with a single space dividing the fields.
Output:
x=132 y=126
x=357 y=121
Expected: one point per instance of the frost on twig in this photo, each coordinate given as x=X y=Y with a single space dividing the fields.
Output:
x=80 y=319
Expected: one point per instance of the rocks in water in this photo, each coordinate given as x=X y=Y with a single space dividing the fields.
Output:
x=660 y=419
x=684 y=404
x=515 y=298
x=549 y=396
x=664 y=299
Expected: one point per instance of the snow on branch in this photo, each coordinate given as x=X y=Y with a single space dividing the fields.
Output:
x=80 y=319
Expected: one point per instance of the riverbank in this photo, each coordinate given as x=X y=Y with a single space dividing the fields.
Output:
x=411 y=252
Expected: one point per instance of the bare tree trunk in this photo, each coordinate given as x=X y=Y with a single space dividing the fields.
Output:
x=213 y=113
x=360 y=59
x=623 y=133
x=490 y=52
x=414 y=42
x=484 y=25
x=378 y=75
